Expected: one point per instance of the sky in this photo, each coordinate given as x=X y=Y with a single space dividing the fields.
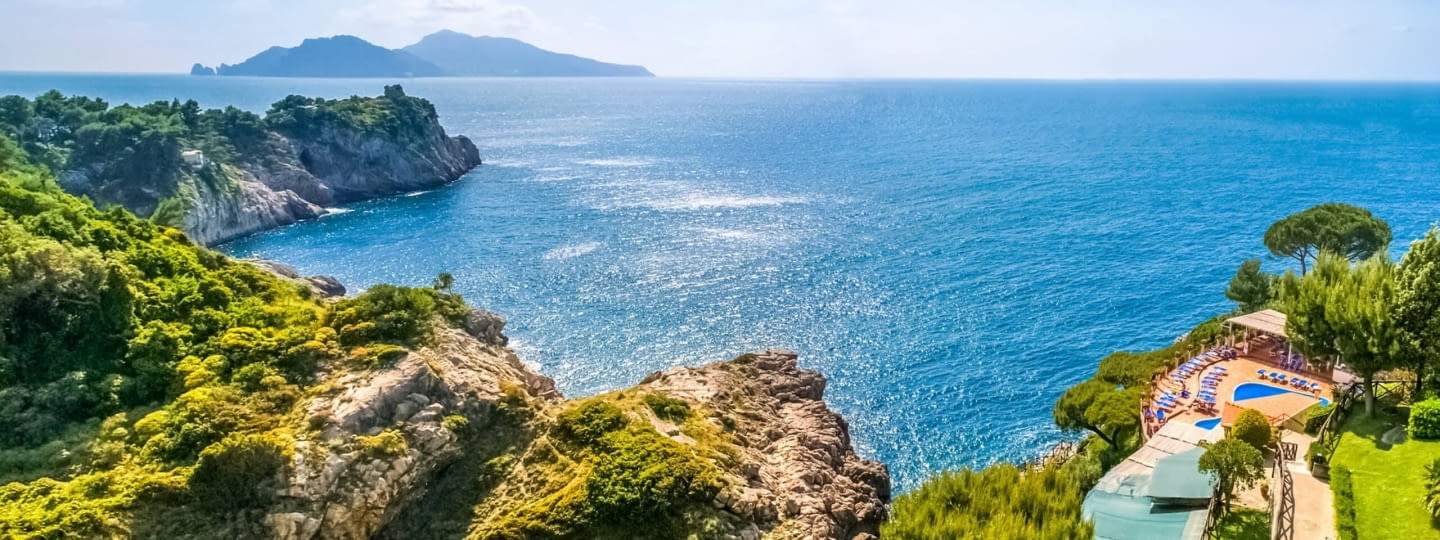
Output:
x=1062 y=39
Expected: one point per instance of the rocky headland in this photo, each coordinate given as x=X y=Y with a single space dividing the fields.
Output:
x=783 y=460
x=221 y=174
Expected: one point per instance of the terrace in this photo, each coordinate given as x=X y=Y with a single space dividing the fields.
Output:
x=1255 y=368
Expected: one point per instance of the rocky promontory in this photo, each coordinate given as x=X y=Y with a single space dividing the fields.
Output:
x=219 y=174
x=780 y=460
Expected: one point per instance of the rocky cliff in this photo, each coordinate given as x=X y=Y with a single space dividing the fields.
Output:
x=481 y=447
x=324 y=164
x=218 y=174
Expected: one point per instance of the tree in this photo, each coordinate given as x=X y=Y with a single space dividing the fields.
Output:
x=1417 y=302
x=1342 y=312
x=1100 y=408
x=1345 y=230
x=1252 y=427
x=1234 y=465
x=1251 y=288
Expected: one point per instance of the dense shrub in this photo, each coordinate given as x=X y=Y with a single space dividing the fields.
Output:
x=640 y=476
x=240 y=471
x=587 y=422
x=633 y=483
x=1425 y=419
x=998 y=502
x=1342 y=484
x=674 y=410
x=388 y=443
x=1254 y=428
x=392 y=314
x=457 y=424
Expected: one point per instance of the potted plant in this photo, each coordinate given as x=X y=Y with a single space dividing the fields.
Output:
x=1319 y=459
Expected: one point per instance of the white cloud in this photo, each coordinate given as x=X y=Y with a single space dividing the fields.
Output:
x=463 y=15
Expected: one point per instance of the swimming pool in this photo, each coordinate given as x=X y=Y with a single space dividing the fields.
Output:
x=1261 y=390
x=1208 y=423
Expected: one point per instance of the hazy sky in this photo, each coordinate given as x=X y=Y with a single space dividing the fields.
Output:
x=1287 y=39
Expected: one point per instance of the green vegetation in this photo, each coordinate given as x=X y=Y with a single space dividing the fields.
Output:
x=1252 y=427
x=1432 y=488
x=996 y=503
x=386 y=444
x=619 y=479
x=1315 y=418
x=1417 y=306
x=1251 y=288
x=666 y=407
x=141 y=374
x=1243 y=524
x=1388 y=480
x=1235 y=465
x=1342 y=485
x=131 y=155
x=1339 y=229
x=1098 y=407
x=1425 y=419
x=239 y=471
x=1340 y=311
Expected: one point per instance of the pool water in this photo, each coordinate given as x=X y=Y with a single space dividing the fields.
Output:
x=1208 y=423
x=1261 y=390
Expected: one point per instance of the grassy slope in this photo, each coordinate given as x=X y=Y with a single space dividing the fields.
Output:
x=1389 y=480
x=1244 y=524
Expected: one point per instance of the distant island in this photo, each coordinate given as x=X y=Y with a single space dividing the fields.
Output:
x=441 y=54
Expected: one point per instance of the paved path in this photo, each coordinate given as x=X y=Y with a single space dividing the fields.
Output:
x=1314 y=504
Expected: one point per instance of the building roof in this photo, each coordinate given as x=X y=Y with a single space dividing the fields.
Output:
x=1179 y=477
x=1119 y=504
x=1121 y=517
x=1268 y=321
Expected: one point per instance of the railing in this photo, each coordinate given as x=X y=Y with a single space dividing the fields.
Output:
x=1329 y=435
x=1282 y=518
x=1211 y=514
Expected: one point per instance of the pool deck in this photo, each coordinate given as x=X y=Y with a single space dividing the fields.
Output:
x=1239 y=371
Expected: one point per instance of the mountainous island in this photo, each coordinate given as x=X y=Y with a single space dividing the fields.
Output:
x=442 y=54
x=219 y=174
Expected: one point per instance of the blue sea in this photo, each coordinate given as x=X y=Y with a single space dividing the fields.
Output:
x=951 y=254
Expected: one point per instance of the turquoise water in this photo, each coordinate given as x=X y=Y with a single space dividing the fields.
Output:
x=952 y=254
x=1261 y=390
x=1208 y=423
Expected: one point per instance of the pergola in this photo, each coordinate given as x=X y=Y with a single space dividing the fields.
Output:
x=1267 y=321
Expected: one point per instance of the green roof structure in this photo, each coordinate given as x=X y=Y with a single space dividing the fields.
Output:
x=1178 y=477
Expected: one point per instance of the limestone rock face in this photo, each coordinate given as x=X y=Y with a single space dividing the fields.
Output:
x=799 y=476
x=325 y=286
x=309 y=174
x=794 y=473
x=339 y=490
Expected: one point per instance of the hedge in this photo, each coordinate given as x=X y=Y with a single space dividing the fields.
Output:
x=1343 y=486
x=1425 y=420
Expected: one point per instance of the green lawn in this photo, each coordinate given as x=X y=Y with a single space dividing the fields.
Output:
x=1389 y=480
x=1243 y=524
